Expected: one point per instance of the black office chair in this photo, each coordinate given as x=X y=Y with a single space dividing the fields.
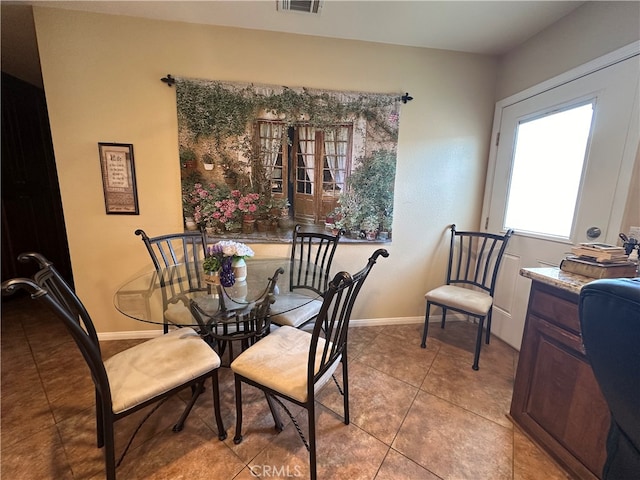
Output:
x=138 y=377
x=609 y=313
x=472 y=271
x=311 y=257
x=294 y=364
x=187 y=248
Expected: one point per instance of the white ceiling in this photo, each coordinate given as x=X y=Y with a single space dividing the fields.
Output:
x=468 y=26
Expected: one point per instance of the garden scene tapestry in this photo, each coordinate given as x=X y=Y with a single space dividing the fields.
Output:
x=256 y=159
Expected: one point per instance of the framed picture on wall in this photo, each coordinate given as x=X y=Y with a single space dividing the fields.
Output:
x=118 y=178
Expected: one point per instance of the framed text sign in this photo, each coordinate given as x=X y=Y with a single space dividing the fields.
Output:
x=118 y=178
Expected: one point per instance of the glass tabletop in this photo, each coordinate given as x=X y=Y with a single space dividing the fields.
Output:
x=156 y=296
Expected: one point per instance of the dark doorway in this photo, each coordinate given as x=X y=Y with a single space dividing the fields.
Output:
x=32 y=216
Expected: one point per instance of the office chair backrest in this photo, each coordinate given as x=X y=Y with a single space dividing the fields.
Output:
x=474 y=258
x=48 y=286
x=609 y=312
x=332 y=323
x=311 y=258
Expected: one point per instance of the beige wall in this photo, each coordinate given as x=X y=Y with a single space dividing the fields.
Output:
x=593 y=30
x=590 y=31
x=102 y=81
x=101 y=76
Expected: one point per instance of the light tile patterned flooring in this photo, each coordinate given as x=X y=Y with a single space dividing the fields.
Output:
x=415 y=414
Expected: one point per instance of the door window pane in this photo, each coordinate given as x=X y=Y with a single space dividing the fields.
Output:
x=547 y=168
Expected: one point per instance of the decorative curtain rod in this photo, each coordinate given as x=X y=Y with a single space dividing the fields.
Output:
x=169 y=80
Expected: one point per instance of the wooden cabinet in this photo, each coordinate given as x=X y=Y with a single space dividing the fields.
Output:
x=556 y=399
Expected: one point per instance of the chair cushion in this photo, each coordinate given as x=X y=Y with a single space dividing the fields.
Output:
x=472 y=301
x=178 y=314
x=296 y=309
x=279 y=361
x=156 y=366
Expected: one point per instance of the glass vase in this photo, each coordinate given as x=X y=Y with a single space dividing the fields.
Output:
x=239 y=268
x=227 y=278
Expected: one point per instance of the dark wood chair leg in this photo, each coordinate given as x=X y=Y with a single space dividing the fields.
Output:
x=345 y=387
x=313 y=469
x=222 y=433
x=476 y=356
x=426 y=326
x=196 y=390
x=444 y=316
x=274 y=413
x=488 y=327
x=238 y=436
x=99 y=421
x=109 y=449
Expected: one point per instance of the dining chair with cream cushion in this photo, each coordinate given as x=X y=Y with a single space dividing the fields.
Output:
x=310 y=264
x=472 y=271
x=143 y=375
x=186 y=249
x=293 y=364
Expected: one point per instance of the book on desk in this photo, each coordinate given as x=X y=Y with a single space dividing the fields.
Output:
x=588 y=267
x=600 y=252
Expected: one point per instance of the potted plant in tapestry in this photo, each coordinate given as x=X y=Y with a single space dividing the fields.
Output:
x=367 y=203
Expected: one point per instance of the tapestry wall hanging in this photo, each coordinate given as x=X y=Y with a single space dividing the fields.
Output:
x=257 y=159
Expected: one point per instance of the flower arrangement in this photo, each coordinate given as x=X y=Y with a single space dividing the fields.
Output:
x=218 y=253
x=221 y=256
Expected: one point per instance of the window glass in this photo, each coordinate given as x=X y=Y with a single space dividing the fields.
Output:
x=547 y=168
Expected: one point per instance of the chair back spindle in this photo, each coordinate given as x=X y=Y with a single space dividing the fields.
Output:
x=186 y=248
x=474 y=258
x=312 y=254
x=333 y=320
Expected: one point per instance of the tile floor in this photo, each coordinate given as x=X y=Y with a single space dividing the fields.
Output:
x=415 y=414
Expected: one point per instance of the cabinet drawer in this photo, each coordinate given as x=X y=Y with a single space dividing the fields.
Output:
x=555 y=310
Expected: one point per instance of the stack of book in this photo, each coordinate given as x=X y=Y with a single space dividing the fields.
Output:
x=599 y=260
x=600 y=252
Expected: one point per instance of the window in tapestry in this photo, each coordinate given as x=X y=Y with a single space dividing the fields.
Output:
x=318 y=158
x=323 y=158
x=271 y=148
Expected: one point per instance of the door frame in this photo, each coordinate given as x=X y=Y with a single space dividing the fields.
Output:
x=632 y=143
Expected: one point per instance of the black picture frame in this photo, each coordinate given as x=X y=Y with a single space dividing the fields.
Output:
x=118 y=178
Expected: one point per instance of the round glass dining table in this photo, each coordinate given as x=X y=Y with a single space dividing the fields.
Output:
x=152 y=296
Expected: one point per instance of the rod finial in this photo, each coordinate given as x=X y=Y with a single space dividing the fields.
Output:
x=406 y=98
x=169 y=80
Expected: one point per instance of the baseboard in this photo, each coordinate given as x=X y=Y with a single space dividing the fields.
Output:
x=376 y=322
x=362 y=322
x=130 y=335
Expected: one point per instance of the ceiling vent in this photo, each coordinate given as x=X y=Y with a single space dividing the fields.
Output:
x=304 y=6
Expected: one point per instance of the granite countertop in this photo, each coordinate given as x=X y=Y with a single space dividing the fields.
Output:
x=557 y=278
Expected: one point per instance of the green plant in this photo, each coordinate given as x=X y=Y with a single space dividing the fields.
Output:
x=369 y=192
x=186 y=155
x=370 y=223
x=386 y=222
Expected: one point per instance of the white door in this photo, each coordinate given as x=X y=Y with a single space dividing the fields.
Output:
x=581 y=138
